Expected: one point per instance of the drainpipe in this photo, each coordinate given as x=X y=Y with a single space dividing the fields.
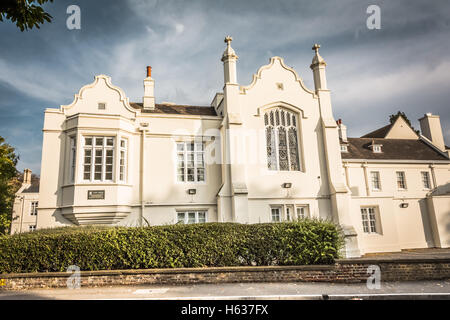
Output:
x=21 y=214
x=143 y=129
x=347 y=180
x=366 y=179
x=433 y=176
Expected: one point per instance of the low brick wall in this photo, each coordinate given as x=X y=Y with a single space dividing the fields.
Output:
x=344 y=271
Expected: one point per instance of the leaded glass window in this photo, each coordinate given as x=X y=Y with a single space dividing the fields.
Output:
x=281 y=140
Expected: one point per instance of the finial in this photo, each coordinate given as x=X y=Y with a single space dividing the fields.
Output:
x=317 y=59
x=228 y=40
x=229 y=52
x=316 y=47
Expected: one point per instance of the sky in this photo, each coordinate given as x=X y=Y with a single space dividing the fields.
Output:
x=372 y=73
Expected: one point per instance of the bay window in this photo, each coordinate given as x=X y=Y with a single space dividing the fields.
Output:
x=98 y=160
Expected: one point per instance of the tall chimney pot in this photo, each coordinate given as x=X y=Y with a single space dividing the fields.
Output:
x=27 y=176
x=149 y=71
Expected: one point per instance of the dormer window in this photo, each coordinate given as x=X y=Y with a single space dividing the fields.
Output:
x=344 y=148
x=376 y=147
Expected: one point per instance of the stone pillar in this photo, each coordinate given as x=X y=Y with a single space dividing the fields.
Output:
x=339 y=192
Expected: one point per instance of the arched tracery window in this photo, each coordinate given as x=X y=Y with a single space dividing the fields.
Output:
x=281 y=140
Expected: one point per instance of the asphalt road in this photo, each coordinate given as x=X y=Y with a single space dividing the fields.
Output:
x=272 y=291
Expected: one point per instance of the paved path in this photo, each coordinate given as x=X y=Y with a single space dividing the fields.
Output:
x=429 y=253
x=276 y=291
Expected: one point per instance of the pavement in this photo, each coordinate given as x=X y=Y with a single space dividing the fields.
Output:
x=409 y=254
x=244 y=291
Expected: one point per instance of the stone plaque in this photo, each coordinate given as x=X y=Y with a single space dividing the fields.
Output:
x=96 y=194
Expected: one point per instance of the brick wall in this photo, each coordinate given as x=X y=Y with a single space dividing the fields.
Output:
x=347 y=271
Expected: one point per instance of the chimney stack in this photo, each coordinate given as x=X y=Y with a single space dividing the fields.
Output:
x=27 y=176
x=149 y=91
x=342 y=130
x=430 y=125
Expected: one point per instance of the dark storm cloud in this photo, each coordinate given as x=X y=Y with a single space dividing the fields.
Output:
x=372 y=73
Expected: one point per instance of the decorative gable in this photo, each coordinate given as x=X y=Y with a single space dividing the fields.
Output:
x=100 y=97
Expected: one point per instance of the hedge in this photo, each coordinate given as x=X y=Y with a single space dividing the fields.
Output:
x=195 y=245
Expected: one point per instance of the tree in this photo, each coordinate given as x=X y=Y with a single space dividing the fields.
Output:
x=9 y=184
x=24 y=13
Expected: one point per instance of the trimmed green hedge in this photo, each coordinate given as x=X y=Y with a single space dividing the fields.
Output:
x=196 y=245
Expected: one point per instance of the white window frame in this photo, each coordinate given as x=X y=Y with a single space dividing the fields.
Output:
x=196 y=213
x=344 y=148
x=375 y=180
x=123 y=162
x=426 y=183
x=401 y=179
x=370 y=220
x=93 y=148
x=33 y=208
x=73 y=158
x=196 y=153
x=32 y=228
x=305 y=212
x=275 y=208
x=288 y=212
x=376 y=148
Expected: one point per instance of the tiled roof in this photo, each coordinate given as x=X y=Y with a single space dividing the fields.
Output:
x=379 y=133
x=177 y=109
x=392 y=149
x=34 y=188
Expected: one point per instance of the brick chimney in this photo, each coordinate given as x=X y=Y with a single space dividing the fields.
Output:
x=430 y=125
x=27 y=176
x=149 y=91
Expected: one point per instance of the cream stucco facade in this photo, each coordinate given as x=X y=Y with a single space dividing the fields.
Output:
x=269 y=151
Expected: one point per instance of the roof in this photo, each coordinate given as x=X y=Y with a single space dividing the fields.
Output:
x=392 y=149
x=379 y=133
x=177 y=109
x=33 y=188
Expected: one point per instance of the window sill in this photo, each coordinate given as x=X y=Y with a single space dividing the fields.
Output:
x=372 y=234
x=109 y=184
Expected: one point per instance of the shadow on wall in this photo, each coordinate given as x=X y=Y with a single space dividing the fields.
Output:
x=57 y=214
x=428 y=232
x=444 y=191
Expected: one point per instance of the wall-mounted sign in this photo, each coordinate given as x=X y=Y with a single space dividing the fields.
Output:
x=96 y=194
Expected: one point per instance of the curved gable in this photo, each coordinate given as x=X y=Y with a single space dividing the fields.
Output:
x=276 y=70
x=100 y=91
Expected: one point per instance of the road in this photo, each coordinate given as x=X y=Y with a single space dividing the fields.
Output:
x=274 y=291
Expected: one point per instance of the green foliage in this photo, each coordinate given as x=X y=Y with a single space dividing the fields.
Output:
x=8 y=184
x=195 y=245
x=24 y=13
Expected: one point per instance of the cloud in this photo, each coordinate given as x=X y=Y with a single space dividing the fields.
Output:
x=405 y=65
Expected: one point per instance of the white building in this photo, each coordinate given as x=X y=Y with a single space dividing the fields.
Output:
x=25 y=205
x=269 y=151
